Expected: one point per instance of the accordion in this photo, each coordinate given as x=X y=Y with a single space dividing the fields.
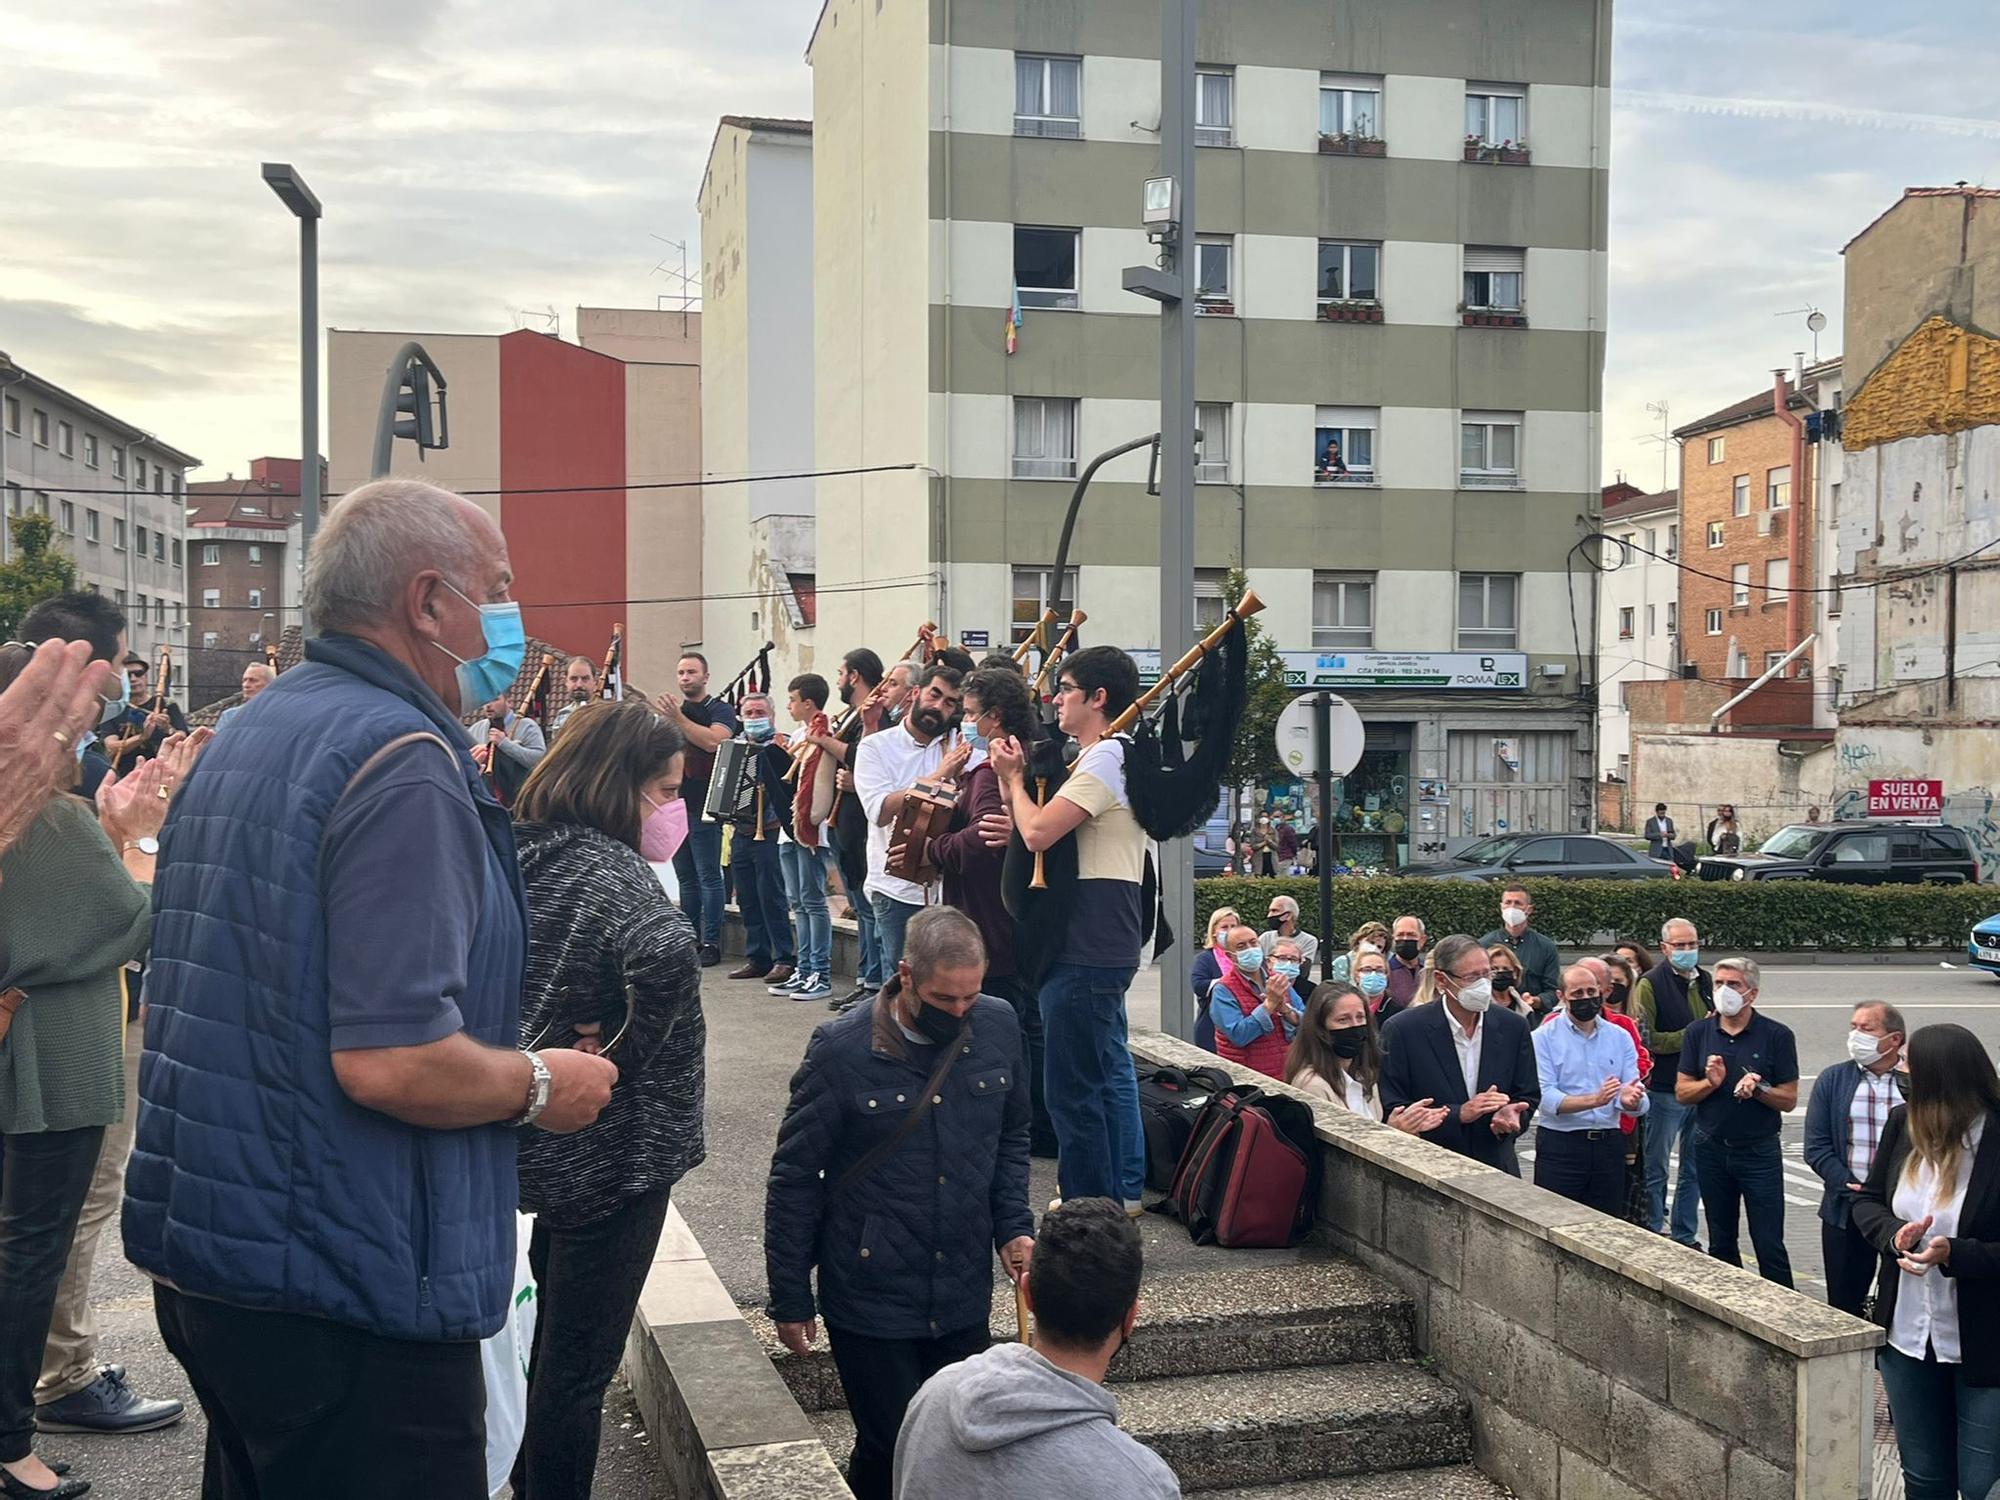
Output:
x=733 y=781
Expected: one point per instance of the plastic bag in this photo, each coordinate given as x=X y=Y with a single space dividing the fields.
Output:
x=504 y=1359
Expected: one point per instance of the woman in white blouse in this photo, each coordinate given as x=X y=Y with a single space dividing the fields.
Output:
x=1931 y=1206
x=1337 y=1056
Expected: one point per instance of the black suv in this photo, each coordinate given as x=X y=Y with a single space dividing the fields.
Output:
x=1859 y=853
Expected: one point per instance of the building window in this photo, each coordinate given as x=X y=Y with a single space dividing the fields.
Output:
x=1777 y=579
x=38 y=428
x=90 y=450
x=1673 y=618
x=90 y=525
x=256 y=554
x=1715 y=450
x=1739 y=586
x=1494 y=115
x=1739 y=500
x=1673 y=540
x=159 y=480
x=41 y=502
x=1031 y=598
x=118 y=534
x=1344 y=444
x=1045 y=266
x=211 y=554
x=1715 y=622
x=177 y=552
x=1652 y=621
x=1044 y=437
x=159 y=546
x=139 y=470
x=65 y=440
x=159 y=610
x=1489 y=450
x=1493 y=278
x=1343 y=611
x=210 y=640
x=1487 y=620
x=142 y=609
x=1210 y=607
x=1213 y=255
x=1771 y=660
x=1214 y=107
x=1625 y=623
x=256 y=598
x=1211 y=453
x=1350 y=109
x=118 y=597
x=1652 y=540
x=1349 y=272
x=13 y=416
x=1715 y=533
x=211 y=598
x=66 y=517
x=180 y=487
x=1778 y=488
x=1048 y=96
x=117 y=461
x=139 y=535
x=1833 y=501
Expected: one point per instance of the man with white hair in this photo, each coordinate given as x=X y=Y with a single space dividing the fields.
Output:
x=1284 y=919
x=256 y=677
x=322 y=1186
x=1672 y=996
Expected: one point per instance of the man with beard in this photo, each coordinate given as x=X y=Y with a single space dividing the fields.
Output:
x=860 y=673
x=579 y=686
x=886 y=767
x=707 y=722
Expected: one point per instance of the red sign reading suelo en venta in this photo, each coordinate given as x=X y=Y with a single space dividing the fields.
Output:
x=1905 y=799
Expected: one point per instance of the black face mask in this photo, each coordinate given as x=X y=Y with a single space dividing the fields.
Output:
x=1408 y=948
x=933 y=1025
x=1348 y=1042
x=1503 y=981
x=1619 y=991
x=1583 y=1012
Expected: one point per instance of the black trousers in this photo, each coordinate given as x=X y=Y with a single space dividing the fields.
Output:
x=302 y=1408
x=1851 y=1267
x=1587 y=1166
x=1027 y=1005
x=44 y=1178
x=587 y=1284
x=881 y=1376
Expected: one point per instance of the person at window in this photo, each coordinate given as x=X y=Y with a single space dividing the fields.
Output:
x=612 y=970
x=1331 y=464
x=1931 y=1207
x=1254 y=1012
x=1337 y=1056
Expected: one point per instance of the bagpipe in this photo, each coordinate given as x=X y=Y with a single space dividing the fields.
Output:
x=754 y=678
x=505 y=776
x=162 y=684
x=1174 y=764
x=612 y=678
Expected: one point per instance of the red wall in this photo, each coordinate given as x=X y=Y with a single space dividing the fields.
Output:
x=562 y=422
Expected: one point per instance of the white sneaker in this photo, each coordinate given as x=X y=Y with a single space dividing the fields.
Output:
x=787 y=986
x=813 y=987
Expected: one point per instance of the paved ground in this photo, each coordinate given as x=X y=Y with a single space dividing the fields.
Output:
x=755 y=1043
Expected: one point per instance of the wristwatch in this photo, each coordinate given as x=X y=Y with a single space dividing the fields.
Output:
x=147 y=845
x=538 y=1091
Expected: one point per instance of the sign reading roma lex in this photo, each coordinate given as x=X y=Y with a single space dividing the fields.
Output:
x=1906 y=799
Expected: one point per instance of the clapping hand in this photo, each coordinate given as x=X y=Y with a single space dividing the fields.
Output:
x=1508 y=1119
x=1907 y=1237
x=1747 y=1085
x=954 y=763
x=1485 y=1102
x=1606 y=1092
x=1630 y=1097
x=1935 y=1251
x=1419 y=1118
x=1008 y=759
x=134 y=805
x=1715 y=1070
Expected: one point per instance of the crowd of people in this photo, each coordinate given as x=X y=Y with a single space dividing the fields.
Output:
x=324 y=1120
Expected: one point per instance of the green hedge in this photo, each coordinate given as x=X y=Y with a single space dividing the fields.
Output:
x=1778 y=914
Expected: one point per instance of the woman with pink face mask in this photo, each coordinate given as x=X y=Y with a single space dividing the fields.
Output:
x=613 y=969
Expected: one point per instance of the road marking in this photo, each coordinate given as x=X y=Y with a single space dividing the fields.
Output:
x=1900 y=1004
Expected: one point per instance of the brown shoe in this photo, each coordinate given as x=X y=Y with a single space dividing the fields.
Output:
x=778 y=976
x=750 y=971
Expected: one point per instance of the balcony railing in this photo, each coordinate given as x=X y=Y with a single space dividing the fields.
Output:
x=1049 y=127
x=1350 y=310
x=1045 y=468
x=1344 y=144
x=1049 y=297
x=1489 y=479
x=1353 y=477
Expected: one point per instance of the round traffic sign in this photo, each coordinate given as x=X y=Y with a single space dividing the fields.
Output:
x=1298 y=740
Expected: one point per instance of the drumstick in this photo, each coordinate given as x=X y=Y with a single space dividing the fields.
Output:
x=1021 y=1308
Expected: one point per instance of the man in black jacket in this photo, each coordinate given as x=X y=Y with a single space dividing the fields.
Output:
x=1458 y=1052
x=902 y=1165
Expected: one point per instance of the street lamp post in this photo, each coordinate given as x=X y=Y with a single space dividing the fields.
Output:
x=11 y=374
x=292 y=191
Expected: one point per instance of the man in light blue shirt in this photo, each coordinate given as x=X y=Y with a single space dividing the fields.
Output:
x=1590 y=1081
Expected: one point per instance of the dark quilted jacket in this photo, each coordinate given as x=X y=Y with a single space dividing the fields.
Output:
x=907 y=1253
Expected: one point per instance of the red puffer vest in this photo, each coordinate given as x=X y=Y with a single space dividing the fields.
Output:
x=1267 y=1053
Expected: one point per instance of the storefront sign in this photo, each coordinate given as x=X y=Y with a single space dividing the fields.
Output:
x=974 y=640
x=1431 y=671
x=1906 y=799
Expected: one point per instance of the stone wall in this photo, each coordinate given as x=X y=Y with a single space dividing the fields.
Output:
x=1601 y=1362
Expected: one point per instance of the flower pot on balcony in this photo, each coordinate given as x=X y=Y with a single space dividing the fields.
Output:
x=1507 y=154
x=1352 y=145
x=1216 y=309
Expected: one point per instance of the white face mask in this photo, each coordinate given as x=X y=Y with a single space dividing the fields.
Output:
x=1866 y=1048
x=1514 y=917
x=1729 y=1000
x=1475 y=996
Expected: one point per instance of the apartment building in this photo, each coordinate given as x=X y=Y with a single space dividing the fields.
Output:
x=243 y=551
x=1400 y=253
x=116 y=493
x=1638 y=613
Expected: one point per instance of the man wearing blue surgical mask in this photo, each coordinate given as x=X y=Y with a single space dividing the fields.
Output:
x=1671 y=998
x=769 y=951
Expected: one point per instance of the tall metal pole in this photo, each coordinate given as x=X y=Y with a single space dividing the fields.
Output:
x=1177 y=160
x=308 y=404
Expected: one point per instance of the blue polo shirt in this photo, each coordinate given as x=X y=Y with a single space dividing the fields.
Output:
x=1764 y=1047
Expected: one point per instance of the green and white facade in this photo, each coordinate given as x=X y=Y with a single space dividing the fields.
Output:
x=1434 y=303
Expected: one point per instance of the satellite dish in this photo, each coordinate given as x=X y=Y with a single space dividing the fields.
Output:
x=1816 y=321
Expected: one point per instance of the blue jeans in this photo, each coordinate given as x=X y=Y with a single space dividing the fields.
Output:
x=1948 y=1432
x=1669 y=1121
x=760 y=896
x=1749 y=1175
x=870 y=974
x=1092 y=1090
x=892 y=919
x=698 y=867
x=805 y=893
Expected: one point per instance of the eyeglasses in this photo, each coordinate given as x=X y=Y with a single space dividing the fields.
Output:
x=1066 y=687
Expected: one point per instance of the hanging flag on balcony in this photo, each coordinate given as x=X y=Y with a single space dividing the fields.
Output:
x=1014 y=323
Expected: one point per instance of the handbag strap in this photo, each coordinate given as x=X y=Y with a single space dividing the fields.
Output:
x=932 y=1090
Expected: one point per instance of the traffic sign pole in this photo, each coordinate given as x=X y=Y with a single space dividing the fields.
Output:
x=1323 y=740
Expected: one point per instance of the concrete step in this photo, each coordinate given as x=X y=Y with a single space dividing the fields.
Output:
x=1456 y=1482
x=1277 y=1427
x=1256 y=1317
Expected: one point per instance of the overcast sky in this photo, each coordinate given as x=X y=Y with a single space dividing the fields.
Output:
x=480 y=160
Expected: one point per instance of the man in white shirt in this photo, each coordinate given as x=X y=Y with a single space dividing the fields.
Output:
x=886 y=766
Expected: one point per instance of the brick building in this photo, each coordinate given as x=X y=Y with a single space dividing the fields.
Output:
x=243 y=579
x=1737 y=550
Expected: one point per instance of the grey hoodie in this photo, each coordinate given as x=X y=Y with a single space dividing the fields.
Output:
x=1008 y=1425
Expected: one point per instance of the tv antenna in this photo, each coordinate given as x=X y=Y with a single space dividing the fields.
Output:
x=1815 y=322
x=675 y=268
x=1664 y=437
x=550 y=317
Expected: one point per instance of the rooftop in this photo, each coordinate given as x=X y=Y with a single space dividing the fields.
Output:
x=1748 y=409
x=1643 y=505
x=1957 y=190
x=116 y=426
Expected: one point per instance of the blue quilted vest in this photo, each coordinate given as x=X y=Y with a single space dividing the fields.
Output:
x=254 y=1179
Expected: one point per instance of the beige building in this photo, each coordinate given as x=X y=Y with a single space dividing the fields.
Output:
x=559 y=441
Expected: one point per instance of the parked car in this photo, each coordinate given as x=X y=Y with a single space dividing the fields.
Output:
x=1854 y=853
x=1211 y=856
x=1562 y=856
x=1982 y=948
